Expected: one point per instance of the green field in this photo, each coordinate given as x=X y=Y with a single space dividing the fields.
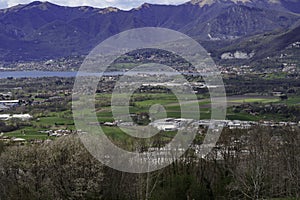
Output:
x=256 y=100
x=141 y=103
x=28 y=133
x=53 y=121
x=294 y=100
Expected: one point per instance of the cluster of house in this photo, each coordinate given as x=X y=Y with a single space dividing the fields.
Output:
x=236 y=70
x=289 y=68
x=237 y=124
x=58 y=133
x=232 y=124
x=170 y=124
x=6 y=104
x=7 y=139
x=173 y=124
x=62 y=64
x=6 y=94
x=295 y=45
x=50 y=133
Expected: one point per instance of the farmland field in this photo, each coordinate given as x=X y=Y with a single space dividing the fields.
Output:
x=141 y=103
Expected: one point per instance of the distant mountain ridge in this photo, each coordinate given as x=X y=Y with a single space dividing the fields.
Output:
x=42 y=30
x=283 y=5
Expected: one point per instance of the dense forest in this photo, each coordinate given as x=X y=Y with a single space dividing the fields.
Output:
x=63 y=169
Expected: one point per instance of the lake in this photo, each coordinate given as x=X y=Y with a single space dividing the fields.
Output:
x=41 y=74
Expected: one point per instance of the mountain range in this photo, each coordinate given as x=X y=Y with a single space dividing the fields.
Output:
x=42 y=30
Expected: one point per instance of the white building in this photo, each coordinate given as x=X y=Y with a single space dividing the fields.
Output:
x=170 y=124
x=9 y=102
x=22 y=116
x=4 y=116
x=15 y=116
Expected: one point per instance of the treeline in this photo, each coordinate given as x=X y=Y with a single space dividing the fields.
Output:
x=63 y=169
x=252 y=84
x=283 y=111
x=8 y=127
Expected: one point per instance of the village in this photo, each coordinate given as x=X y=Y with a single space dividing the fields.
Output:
x=163 y=125
x=17 y=103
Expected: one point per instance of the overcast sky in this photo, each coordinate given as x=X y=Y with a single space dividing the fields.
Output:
x=123 y=4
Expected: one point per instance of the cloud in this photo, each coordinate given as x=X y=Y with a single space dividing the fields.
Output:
x=122 y=4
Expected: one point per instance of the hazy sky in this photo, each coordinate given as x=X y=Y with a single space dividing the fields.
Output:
x=123 y=4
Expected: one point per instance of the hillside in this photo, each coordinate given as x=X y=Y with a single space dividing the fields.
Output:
x=42 y=30
x=266 y=50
